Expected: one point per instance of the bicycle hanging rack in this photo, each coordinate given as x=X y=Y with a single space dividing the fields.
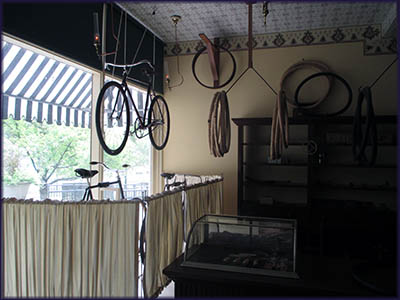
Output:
x=250 y=51
x=213 y=57
x=213 y=51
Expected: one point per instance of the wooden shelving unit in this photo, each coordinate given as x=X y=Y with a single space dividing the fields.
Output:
x=303 y=185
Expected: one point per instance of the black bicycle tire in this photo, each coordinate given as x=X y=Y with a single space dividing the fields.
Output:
x=99 y=116
x=345 y=83
x=164 y=143
x=360 y=140
x=209 y=86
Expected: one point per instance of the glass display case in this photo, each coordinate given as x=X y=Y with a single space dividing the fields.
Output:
x=265 y=246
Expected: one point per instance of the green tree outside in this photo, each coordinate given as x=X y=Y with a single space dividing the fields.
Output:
x=54 y=151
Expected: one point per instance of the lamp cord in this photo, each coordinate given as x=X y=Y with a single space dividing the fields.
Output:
x=177 y=61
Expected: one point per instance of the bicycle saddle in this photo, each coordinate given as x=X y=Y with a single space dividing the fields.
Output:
x=168 y=175
x=85 y=173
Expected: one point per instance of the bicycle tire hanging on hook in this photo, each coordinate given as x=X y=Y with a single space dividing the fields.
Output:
x=325 y=74
x=368 y=136
x=219 y=129
x=213 y=54
x=280 y=121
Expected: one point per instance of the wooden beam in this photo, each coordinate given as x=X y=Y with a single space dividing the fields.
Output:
x=213 y=57
x=250 y=40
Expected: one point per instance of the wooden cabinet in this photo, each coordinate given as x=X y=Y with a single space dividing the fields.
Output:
x=319 y=276
x=317 y=180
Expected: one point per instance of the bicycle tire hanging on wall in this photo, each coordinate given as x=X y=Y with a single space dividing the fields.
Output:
x=303 y=106
x=213 y=54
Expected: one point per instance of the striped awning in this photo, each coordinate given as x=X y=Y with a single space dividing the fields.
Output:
x=36 y=87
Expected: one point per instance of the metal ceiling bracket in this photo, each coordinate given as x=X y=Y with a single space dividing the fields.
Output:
x=213 y=57
x=250 y=40
x=175 y=19
x=250 y=51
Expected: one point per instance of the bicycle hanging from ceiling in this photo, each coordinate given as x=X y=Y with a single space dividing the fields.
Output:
x=113 y=108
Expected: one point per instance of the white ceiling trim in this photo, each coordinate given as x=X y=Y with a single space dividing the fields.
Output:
x=370 y=35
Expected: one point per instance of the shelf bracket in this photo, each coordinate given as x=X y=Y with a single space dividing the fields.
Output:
x=213 y=57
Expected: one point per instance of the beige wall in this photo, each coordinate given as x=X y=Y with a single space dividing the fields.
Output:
x=187 y=150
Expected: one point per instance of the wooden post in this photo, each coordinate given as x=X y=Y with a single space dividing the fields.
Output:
x=213 y=57
x=250 y=41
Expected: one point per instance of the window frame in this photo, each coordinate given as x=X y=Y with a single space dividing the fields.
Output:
x=98 y=79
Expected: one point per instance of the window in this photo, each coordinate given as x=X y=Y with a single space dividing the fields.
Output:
x=46 y=114
x=46 y=122
x=136 y=178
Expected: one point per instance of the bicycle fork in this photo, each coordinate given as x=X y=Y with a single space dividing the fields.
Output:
x=115 y=106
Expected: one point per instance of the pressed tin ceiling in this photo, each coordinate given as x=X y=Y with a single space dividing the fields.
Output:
x=229 y=19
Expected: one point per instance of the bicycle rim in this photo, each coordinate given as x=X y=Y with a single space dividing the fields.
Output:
x=159 y=123
x=112 y=118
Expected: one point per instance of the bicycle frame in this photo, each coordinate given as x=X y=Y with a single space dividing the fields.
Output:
x=88 y=191
x=88 y=195
x=142 y=119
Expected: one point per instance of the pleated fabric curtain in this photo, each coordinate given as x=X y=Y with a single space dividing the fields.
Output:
x=56 y=249
x=164 y=239
x=201 y=200
x=196 y=206
x=215 y=195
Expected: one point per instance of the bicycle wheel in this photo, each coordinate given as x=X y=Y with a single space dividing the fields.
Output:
x=112 y=118
x=222 y=84
x=158 y=122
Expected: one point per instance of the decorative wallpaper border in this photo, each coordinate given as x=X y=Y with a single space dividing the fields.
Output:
x=371 y=35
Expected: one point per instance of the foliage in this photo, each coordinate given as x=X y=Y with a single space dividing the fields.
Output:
x=134 y=154
x=53 y=151
x=13 y=171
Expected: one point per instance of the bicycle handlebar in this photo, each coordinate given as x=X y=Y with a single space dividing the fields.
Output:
x=104 y=165
x=144 y=61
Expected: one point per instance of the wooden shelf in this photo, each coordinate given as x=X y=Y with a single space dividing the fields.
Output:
x=253 y=181
x=304 y=144
x=378 y=166
x=276 y=165
x=342 y=120
x=355 y=187
x=350 y=145
x=301 y=172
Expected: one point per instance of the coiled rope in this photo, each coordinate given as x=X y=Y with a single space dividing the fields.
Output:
x=219 y=127
x=279 y=127
x=360 y=139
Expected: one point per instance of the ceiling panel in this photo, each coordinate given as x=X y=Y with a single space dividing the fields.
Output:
x=228 y=19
